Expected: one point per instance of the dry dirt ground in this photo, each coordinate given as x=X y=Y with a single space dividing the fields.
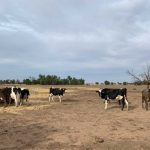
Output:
x=78 y=123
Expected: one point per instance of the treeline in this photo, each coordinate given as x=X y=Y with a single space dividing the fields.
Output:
x=113 y=83
x=123 y=83
x=47 y=80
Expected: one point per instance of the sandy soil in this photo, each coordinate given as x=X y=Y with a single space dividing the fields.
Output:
x=78 y=123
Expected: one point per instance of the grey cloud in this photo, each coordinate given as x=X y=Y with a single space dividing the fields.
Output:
x=92 y=39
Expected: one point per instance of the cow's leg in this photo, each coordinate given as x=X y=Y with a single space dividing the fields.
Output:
x=146 y=104
x=106 y=101
x=106 y=104
x=5 y=102
x=27 y=100
x=52 y=98
x=143 y=100
x=119 y=101
x=13 y=96
x=9 y=100
x=18 y=98
x=59 y=98
x=49 y=98
x=142 y=103
x=123 y=103
x=16 y=102
x=26 y=96
x=21 y=101
x=126 y=101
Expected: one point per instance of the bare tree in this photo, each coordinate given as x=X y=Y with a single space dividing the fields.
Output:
x=143 y=77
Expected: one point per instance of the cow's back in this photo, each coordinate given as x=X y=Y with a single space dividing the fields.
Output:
x=57 y=91
x=109 y=93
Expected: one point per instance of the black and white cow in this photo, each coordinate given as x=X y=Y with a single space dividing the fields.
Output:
x=112 y=94
x=24 y=94
x=15 y=95
x=56 y=92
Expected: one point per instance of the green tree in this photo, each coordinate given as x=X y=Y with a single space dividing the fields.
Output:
x=107 y=82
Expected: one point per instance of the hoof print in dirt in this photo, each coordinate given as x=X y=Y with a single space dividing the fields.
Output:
x=99 y=139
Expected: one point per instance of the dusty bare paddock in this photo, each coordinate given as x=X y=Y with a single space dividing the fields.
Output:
x=78 y=123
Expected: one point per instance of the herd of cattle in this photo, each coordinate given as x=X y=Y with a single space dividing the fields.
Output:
x=14 y=95
x=18 y=95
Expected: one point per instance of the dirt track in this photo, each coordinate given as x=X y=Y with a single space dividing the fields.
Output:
x=78 y=123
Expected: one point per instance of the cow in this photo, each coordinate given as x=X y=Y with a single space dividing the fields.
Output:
x=56 y=92
x=145 y=98
x=24 y=94
x=15 y=95
x=5 y=95
x=112 y=94
x=9 y=94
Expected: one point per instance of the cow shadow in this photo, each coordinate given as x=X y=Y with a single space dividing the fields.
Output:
x=131 y=107
x=70 y=100
x=42 y=101
x=113 y=107
x=2 y=104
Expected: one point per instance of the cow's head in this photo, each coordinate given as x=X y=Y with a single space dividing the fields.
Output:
x=14 y=90
x=19 y=90
x=99 y=92
x=63 y=89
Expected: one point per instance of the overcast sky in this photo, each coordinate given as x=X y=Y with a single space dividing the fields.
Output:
x=96 y=40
